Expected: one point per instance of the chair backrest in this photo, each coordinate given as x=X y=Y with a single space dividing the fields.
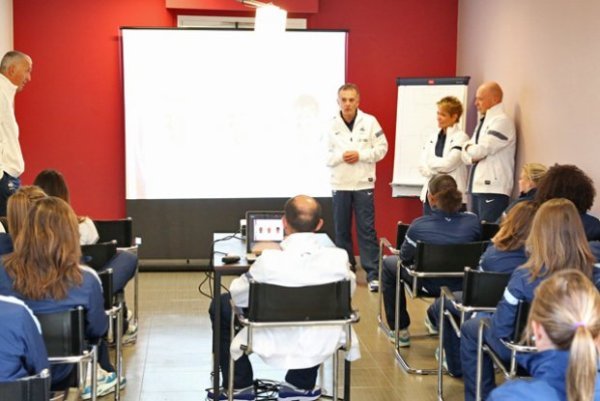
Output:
x=401 y=230
x=63 y=332
x=488 y=230
x=274 y=303
x=31 y=388
x=483 y=289
x=448 y=258
x=120 y=230
x=106 y=278
x=98 y=255
x=520 y=320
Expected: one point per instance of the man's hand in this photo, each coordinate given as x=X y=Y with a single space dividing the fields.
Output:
x=350 y=156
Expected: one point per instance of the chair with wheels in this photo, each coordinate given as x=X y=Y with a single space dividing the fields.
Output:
x=65 y=341
x=31 y=388
x=317 y=305
x=481 y=293
x=432 y=261
x=384 y=244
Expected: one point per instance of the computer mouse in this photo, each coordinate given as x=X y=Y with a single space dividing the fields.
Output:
x=228 y=259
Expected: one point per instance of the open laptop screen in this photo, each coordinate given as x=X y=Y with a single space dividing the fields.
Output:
x=263 y=227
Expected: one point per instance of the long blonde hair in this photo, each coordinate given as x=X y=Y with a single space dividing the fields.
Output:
x=515 y=227
x=45 y=262
x=557 y=240
x=18 y=207
x=567 y=305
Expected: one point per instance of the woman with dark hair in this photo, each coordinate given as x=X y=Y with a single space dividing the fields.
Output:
x=44 y=271
x=556 y=242
x=570 y=182
x=503 y=255
x=445 y=225
x=564 y=325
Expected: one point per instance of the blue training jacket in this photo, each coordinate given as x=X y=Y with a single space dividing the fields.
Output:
x=591 y=225
x=88 y=295
x=548 y=370
x=22 y=349
x=497 y=261
x=440 y=228
x=520 y=287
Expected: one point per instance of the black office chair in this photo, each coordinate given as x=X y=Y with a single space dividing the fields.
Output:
x=384 y=244
x=513 y=344
x=481 y=293
x=31 y=388
x=98 y=255
x=121 y=232
x=433 y=261
x=64 y=337
x=317 y=305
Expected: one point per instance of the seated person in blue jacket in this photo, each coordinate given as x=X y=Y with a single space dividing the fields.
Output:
x=531 y=175
x=22 y=349
x=556 y=242
x=301 y=261
x=503 y=255
x=445 y=225
x=123 y=263
x=570 y=182
x=564 y=325
x=44 y=272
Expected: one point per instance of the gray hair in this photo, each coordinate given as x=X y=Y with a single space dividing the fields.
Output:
x=11 y=58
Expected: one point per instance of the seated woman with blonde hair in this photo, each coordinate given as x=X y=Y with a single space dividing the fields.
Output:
x=18 y=206
x=564 y=323
x=44 y=272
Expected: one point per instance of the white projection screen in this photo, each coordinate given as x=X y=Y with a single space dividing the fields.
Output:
x=228 y=114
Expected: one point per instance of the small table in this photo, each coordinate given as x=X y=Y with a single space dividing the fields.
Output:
x=229 y=243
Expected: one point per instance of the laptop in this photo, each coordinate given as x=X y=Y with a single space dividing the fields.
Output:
x=264 y=230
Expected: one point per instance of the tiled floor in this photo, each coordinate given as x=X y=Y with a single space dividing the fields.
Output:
x=172 y=357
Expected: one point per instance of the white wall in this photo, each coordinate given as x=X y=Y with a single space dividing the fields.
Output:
x=6 y=26
x=546 y=56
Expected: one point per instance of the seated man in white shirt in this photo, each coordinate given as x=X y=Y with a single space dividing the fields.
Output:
x=301 y=261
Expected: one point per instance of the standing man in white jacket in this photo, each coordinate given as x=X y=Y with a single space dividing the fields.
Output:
x=356 y=144
x=491 y=154
x=15 y=73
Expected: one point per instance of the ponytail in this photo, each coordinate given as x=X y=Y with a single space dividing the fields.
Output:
x=583 y=364
x=567 y=306
x=447 y=197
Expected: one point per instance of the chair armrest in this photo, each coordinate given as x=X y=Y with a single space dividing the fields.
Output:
x=384 y=243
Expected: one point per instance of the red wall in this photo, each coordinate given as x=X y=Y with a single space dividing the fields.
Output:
x=71 y=114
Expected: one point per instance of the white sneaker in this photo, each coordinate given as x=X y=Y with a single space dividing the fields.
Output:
x=107 y=382
x=373 y=285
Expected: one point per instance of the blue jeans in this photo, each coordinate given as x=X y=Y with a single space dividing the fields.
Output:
x=489 y=207
x=244 y=376
x=468 y=356
x=451 y=340
x=124 y=265
x=362 y=203
x=388 y=285
x=8 y=186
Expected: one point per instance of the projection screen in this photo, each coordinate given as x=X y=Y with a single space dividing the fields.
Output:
x=228 y=114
